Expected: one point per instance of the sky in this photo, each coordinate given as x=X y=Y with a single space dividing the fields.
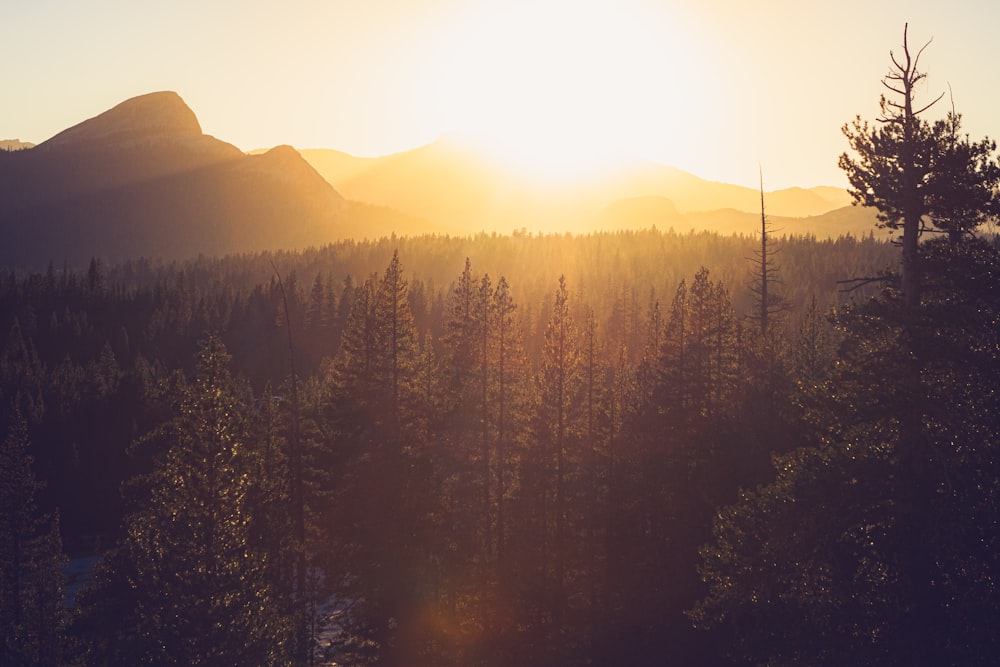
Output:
x=714 y=87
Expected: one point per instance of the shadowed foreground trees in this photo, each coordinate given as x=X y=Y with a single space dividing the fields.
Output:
x=32 y=618
x=465 y=515
x=873 y=546
x=876 y=543
x=438 y=506
x=207 y=565
x=384 y=505
x=202 y=584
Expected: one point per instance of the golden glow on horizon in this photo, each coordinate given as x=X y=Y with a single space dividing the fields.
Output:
x=556 y=89
x=713 y=88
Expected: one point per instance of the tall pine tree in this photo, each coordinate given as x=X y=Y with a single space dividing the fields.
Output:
x=201 y=579
x=32 y=617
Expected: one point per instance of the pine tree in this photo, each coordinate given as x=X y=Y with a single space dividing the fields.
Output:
x=32 y=617
x=922 y=178
x=919 y=176
x=698 y=364
x=397 y=350
x=317 y=315
x=201 y=580
x=485 y=318
x=469 y=332
x=465 y=463
x=812 y=352
x=462 y=351
x=511 y=396
x=383 y=503
x=559 y=386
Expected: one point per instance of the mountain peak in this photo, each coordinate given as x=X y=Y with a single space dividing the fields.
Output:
x=155 y=115
x=141 y=179
x=286 y=165
x=283 y=162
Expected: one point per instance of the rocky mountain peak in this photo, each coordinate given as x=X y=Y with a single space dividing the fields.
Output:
x=161 y=115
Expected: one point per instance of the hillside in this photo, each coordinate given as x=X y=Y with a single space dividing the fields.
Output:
x=141 y=179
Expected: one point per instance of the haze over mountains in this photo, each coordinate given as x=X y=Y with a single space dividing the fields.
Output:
x=448 y=182
x=142 y=179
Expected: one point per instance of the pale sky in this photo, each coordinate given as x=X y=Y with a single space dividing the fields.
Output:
x=713 y=87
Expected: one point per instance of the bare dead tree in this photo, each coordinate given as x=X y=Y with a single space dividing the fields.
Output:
x=768 y=302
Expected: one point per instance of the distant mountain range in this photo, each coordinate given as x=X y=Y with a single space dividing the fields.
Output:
x=449 y=183
x=453 y=185
x=142 y=179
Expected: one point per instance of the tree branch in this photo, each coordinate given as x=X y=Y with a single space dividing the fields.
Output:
x=917 y=59
x=895 y=90
x=861 y=282
x=936 y=100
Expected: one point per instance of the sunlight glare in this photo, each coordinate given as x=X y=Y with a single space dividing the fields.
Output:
x=558 y=89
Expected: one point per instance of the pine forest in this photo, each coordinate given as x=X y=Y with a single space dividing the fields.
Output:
x=628 y=448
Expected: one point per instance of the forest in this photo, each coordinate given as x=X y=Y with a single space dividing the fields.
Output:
x=633 y=448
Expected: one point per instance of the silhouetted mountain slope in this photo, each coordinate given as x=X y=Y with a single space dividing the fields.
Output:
x=141 y=179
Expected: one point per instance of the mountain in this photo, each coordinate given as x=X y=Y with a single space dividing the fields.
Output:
x=660 y=212
x=452 y=184
x=142 y=179
x=443 y=183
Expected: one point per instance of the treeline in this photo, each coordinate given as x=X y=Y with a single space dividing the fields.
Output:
x=83 y=352
x=482 y=472
x=453 y=476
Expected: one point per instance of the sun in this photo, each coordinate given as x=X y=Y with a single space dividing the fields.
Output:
x=557 y=89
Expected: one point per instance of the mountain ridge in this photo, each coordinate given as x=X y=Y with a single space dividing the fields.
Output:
x=141 y=179
x=659 y=212
x=150 y=116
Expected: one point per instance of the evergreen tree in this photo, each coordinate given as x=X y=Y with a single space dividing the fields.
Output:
x=201 y=579
x=317 y=316
x=383 y=504
x=356 y=361
x=698 y=360
x=918 y=175
x=557 y=432
x=467 y=344
x=32 y=616
x=512 y=391
x=812 y=351
x=869 y=545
